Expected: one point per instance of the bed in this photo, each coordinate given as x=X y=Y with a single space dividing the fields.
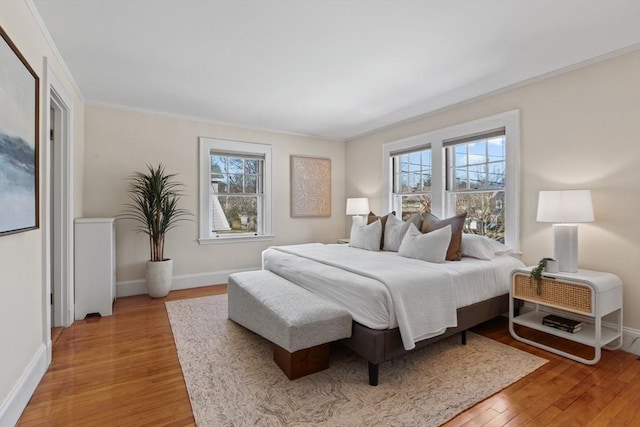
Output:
x=393 y=311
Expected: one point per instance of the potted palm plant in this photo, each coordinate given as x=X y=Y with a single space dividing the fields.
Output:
x=154 y=205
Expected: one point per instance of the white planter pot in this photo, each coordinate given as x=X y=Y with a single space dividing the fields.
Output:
x=159 y=275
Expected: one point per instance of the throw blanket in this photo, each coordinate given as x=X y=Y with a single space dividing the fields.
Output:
x=423 y=297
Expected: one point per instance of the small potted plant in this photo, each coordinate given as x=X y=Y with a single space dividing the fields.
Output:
x=154 y=205
x=536 y=274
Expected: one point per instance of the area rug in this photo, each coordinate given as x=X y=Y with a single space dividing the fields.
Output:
x=232 y=379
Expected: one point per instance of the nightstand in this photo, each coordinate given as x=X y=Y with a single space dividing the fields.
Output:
x=344 y=241
x=591 y=297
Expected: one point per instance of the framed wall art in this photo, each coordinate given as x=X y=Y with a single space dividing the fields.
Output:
x=310 y=187
x=19 y=101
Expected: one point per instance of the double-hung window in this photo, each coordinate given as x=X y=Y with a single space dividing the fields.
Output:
x=235 y=190
x=475 y=181
x=412 y=181
x=472 y=167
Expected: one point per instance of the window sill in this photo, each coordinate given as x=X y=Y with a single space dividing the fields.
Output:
x=235 y=239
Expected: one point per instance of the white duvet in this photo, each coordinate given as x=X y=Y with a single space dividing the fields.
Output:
x=383 y=290
x=424 y=302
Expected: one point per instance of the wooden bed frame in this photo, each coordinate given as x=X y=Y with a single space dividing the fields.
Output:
x=378 y=346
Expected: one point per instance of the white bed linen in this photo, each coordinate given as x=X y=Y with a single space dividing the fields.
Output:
x=369 y=300
x=476 y=280
x=423 y=311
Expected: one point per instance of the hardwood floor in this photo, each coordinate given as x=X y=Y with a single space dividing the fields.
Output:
x=123 y=370
x=562 y=392
x=55 y=333
x=116 y=370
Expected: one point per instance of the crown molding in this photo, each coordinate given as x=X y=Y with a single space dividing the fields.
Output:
x=56 y=53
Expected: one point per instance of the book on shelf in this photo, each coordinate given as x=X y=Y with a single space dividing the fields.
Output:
x=564 y=328
x=562 y=323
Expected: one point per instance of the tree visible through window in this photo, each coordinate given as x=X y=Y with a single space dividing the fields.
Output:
x=236 y=193
x=476 y=183
x=470 y=167
x=412 y=182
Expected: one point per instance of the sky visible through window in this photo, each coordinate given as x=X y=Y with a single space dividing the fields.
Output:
x=475 y=184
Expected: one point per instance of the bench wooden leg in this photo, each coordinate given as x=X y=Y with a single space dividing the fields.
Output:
x=302 y=362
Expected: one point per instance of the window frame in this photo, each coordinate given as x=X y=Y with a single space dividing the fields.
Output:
x=436 y=139
x=231 y=147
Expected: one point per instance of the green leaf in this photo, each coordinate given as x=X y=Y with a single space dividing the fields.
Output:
x=154 y=206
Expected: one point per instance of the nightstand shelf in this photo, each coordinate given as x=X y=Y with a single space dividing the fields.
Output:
x=588 y=296
x=586 y=336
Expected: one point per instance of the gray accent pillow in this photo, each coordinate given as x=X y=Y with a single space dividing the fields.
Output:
x=366 y=236
x=430 y=247
x=395 y=230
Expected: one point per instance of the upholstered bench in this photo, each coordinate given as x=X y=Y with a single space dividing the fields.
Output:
x=299 y=323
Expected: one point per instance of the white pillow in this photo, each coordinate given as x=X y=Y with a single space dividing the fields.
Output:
x=395 y=229
x=481 y=247
x=500 y=248
x=430 y=247
x=366 y=236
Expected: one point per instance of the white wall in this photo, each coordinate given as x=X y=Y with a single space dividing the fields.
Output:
x=121 y=141
x=580 y=129
x=22 y=288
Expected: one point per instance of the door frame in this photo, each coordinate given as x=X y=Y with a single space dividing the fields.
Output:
x=57 y=98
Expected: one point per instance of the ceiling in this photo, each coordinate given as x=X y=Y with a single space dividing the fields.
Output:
x=333 y=69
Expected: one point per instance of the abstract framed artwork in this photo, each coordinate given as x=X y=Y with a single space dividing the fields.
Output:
x=19 y=111
x=310 y=187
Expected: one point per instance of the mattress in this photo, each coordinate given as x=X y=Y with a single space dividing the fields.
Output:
x=369 y=301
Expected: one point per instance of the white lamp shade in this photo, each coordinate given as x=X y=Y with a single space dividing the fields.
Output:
x=357 y=206
x=568 y=206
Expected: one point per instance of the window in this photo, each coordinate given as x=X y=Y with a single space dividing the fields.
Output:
x=472 y=167
x=235 y=191
x=475 y=182
x=412 y=182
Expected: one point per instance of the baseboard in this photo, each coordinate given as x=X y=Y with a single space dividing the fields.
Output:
x=631 y=340
x=138 y=287
x=49 y=349
x=19 y=396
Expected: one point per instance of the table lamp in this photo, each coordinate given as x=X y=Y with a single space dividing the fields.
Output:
x=565 y=209
x=357 y=207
